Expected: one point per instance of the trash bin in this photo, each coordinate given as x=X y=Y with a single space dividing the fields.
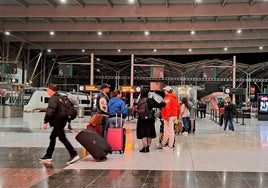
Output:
x=81 y=112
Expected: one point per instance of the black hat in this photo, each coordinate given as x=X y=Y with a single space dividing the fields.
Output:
x=105 y=86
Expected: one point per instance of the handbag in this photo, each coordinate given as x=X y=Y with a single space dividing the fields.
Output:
x=178 y=126
x=95 y=120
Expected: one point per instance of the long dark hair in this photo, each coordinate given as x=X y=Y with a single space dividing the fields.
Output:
x=144 y=93
x=185 y=102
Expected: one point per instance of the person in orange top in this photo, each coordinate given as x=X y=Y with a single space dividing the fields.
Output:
x=169 y=113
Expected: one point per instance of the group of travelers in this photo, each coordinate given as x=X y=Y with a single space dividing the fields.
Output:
x=227 y=110
x=114 y=112
x=171 y=111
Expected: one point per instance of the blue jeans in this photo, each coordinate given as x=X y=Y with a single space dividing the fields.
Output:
x=105 y=124
x=116 y=122
x=186 y=123
x=231 y=124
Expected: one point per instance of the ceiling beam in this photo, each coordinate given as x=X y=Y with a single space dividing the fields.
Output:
x=22 y=3
x=183 y=10
x=159 y=52
x=136 y=37
x=136 y=26
x=154 y=45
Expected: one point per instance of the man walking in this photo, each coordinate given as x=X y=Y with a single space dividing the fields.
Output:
x=58 y=123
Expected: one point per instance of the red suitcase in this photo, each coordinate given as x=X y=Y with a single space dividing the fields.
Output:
x=116 y=137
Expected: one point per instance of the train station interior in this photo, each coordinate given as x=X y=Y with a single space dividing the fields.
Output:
x=201 y=48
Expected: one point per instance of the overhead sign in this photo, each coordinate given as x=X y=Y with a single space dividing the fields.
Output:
x=88 y=88
x=237 y=91
x=128 y=89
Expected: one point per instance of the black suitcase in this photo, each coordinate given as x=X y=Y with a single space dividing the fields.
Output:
x=94 y=144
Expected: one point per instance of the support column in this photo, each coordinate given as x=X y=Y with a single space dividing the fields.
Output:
x=234 y=77
x=131 y=79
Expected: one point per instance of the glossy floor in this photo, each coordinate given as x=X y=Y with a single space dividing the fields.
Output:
x=208 y=158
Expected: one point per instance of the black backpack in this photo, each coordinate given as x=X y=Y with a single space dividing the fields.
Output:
x=67 y=109
x=144 y=112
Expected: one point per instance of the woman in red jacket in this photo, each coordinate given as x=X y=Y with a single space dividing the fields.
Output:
x=169 y=113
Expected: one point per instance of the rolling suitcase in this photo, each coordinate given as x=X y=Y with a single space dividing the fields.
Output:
x=116 y=137
x=94 y=144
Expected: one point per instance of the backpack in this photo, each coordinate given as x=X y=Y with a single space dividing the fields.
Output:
x=144 y=112
x=67 y=109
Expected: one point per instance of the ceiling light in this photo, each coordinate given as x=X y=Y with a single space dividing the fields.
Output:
x=48 y=50
x=239 y=31
x=190 y=49
x=63 y=1
x=146 y=32
x=7 y=33
x=83 y=50
x=52 y=33
x=99 y=33
x=261 y=47
x=119 y=50
x=131 y=1
x=155 y=50
x=192 y=32
x=225 y=49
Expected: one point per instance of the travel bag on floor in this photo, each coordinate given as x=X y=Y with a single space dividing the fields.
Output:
x=94 y=144
x=178 y=126
x=97 y=129
x=116 y=137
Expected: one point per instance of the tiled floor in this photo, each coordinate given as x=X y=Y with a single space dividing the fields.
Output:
x=208 y=158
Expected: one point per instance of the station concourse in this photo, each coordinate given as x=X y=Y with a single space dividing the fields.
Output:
x=208 y=158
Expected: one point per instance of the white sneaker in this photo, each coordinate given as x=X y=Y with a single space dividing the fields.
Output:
x=160 y=146
x=185 y=133
x=167 y=148
x=73 y=159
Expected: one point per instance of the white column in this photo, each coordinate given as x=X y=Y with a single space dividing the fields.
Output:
x=234 y=77
x=131 y=79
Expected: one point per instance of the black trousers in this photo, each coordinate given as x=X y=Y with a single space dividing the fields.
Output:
x=59 y=132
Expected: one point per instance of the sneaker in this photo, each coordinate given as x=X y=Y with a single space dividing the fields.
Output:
x=167 y=148
x=73 y=159
x=45 y=159
x=160 y=146
x=184 y=133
